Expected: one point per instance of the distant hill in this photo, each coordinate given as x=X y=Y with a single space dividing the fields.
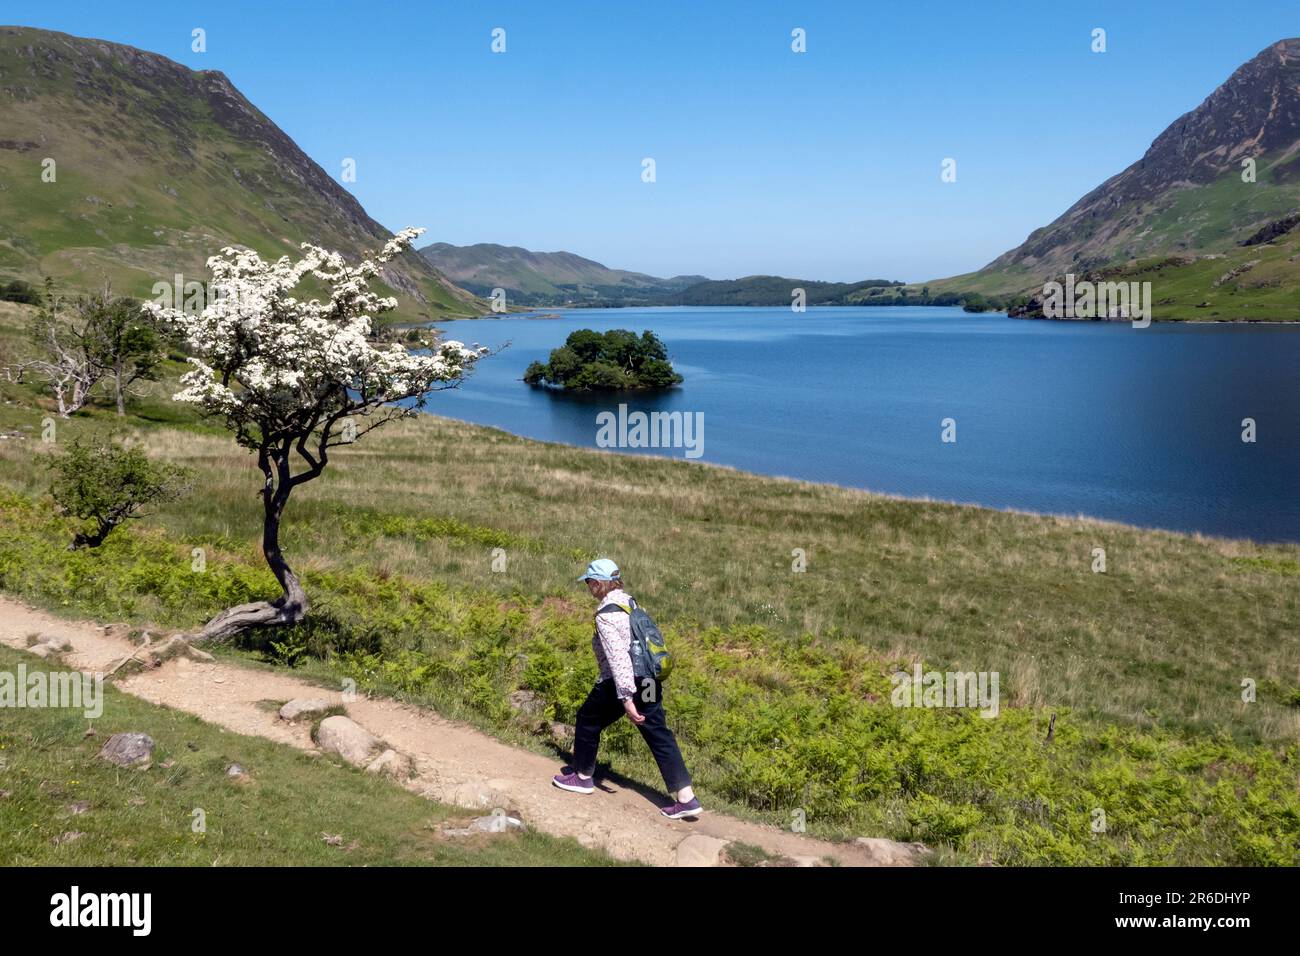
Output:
x=776 y=291
x=157 y=167
x=562 y=278
x=546 y=278
x=1182 y=216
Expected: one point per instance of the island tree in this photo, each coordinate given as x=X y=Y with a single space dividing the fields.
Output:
x=613 y=360
x=294 y=378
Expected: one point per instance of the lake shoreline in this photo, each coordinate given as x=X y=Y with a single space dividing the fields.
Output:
x=1055 y=418
x=536 y=316
x=1055 y=517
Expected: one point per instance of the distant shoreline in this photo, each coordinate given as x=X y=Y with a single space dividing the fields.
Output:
x=552 y=310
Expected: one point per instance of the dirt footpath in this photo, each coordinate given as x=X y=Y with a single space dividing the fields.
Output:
x=453 y=763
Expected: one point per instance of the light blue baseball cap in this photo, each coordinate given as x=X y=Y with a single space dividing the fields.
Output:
x=602 y=569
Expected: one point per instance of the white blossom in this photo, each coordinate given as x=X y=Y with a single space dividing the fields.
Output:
x=276 y=365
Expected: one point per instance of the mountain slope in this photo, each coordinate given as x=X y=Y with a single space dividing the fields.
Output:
x=1183 y=201
x=158 y=167
x=765 y=291
x=545 y=278
x=562 y=278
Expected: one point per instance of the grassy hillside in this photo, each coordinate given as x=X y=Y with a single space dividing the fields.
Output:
x=1190 y=251
x=782 y=697
x=156 y=168
x=1256 y=283
x=60 y=805
x=1190 y=198
x=1259 y=283
x=546 y=278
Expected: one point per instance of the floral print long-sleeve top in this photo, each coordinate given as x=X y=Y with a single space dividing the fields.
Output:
x=612 y=643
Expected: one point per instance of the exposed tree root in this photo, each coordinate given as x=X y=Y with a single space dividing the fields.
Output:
x=149 y=654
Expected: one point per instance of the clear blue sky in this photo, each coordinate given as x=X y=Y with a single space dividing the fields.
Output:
x=822 y=165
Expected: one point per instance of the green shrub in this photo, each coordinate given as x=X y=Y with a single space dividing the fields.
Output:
x=103 y=484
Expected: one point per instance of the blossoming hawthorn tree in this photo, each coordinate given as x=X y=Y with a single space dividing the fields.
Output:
x=289 y=376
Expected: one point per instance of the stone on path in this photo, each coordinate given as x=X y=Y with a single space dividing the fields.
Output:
x=478 y=794
x=345 y=737
x=303 y=707
x=700 y=850
x=892 y=853
x=51 y=641
x=390 y=764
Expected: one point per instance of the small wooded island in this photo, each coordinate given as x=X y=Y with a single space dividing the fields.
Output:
x=612 y=361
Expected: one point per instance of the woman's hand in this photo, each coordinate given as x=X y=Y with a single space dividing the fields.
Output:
x=634 y=715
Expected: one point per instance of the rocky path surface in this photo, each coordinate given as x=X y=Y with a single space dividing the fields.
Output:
x=437 y=758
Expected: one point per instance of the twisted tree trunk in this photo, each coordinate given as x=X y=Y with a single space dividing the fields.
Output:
x=291 y=607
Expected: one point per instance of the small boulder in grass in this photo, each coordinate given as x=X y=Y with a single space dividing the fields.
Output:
x=345 y=737
x=128 y=750
x=527 y=703
x=390 y=764
x=47 y=644
x=498 y=822
x=303 y=707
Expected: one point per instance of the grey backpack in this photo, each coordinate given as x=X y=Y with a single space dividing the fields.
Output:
x=650 y=657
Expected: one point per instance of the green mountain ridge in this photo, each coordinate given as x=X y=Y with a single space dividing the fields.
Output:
x=565 y=279
x=765 y=290
x=1181 y=216
x=156 y=168
x=545 y=278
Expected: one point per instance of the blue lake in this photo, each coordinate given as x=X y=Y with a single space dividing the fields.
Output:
x=1102 y=419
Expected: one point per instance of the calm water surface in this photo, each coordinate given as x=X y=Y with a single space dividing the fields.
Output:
x=1137 y=425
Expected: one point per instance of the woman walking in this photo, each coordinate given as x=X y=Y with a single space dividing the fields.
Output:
x=617 y=693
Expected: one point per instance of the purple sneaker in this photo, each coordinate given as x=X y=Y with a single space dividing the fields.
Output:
x=571 y=781
x=678 y=811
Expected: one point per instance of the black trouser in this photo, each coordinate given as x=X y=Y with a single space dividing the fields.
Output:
x=602 y=707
